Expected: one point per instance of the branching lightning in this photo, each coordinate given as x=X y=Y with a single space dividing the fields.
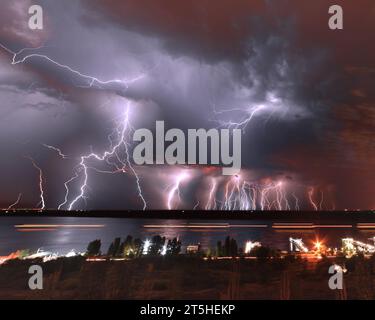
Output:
x=250 y=113
x=238 y=194
x=316 y=205
x=115 y=150
x=91 y=80
x=235 y=193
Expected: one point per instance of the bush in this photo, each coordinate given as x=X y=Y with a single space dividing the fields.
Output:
x=93 y=248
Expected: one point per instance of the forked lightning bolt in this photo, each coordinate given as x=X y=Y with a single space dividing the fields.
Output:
x=239 y=194
x=91 y=80
x=317 y=206
x=235 y=194
x=114 y=151
x=250 y=113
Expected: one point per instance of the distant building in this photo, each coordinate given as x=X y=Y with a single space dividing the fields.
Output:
x=193 y=248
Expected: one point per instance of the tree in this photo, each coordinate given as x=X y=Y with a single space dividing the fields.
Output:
x=93 y=248
x=227 y=248
x=127 y=249
x=137 y=247
x=210 y=252
x=174 y=247
x=230 y=248
x=219 y=249
x=157 y=244
x=262 y=253
x=233 y=251
x=114 y=248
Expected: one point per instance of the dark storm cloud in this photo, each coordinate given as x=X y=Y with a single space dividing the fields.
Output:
x=14 y=27
x=190 y=63
x=269 y=58
x=206 y=30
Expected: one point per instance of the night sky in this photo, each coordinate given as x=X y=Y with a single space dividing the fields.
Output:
x=194 y=64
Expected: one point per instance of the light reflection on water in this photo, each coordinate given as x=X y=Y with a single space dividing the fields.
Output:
x=61 y=234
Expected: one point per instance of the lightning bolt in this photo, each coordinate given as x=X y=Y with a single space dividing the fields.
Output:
x=274 y=196
x=59 y=152
x=310 y=196
x=316 y=206
x=15 y=203
x=211 y=202
x=239 y=194
x=196 y=206
x=234 y=198
x=321 y=200
x=265 y=202
x=296 y=206
x=91 y=80
x=41 y=190
x=175 y=190
x=250 y=113
x=66 y=185
x=114 y=151
x=83 y=168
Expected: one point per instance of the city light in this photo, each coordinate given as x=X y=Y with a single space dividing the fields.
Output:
x=249 y=245
x=146 y=247
x=297 y=245
x=317 y=245
x=164 y=250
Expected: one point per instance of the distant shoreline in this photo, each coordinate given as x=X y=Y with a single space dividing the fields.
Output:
x=313 y=216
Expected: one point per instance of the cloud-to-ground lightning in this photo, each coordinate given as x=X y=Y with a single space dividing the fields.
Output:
x=211 y=201
x=296 y=206
x=311 y=198
x=15 y=203
x=116 y=150
x=66 y=185
x=41 y=180
x=174 y=190
x=237 y=193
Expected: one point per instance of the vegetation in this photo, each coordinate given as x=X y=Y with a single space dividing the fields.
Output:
x=114 y=248
x=134 y=248
x=93 y=248
x=229 y=249
x=160 y=246
x=264 y=253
